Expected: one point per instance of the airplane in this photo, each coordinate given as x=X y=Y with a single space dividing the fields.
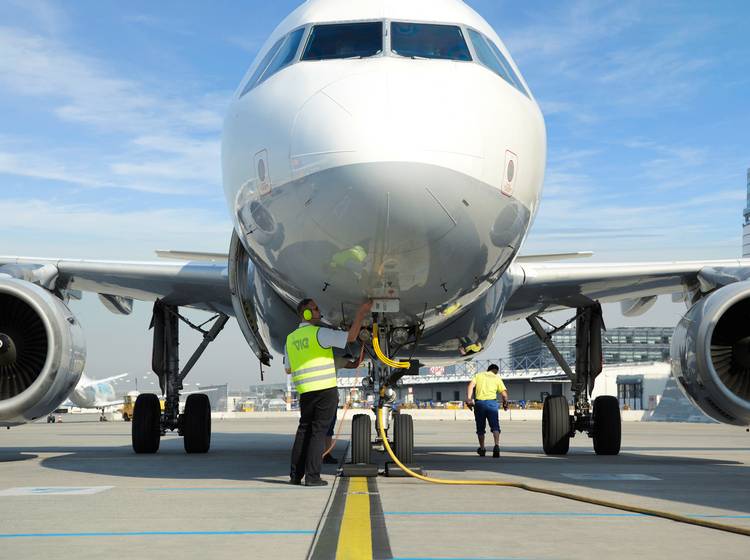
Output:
x=95 y=393
x=385 y=150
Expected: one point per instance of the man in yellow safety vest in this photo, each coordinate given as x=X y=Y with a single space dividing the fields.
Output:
x=309 y=360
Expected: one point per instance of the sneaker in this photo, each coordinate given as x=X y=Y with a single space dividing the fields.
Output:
x=496 y=451
x=329 y=459
x=481 y=451
x=318 y=482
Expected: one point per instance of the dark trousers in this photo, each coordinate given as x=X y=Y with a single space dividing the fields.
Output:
x=316 y=410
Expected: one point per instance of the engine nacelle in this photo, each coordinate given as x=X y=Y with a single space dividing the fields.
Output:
x=711 y=354
x=42 y=352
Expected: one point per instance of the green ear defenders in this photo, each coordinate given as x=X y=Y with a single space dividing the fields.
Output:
x=307 y=314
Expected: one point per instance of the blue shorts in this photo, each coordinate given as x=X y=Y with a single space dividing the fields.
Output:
x=332 y=427
x=486 y=411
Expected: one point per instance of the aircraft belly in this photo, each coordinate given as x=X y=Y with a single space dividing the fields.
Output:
x=430 y=236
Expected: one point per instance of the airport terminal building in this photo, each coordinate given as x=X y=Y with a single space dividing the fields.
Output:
x=623 y=345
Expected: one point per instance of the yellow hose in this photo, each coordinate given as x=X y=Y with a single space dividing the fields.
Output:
x=558 y=493
x=379 y=353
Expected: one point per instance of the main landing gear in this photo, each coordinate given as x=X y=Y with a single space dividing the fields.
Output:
x=601 y=422
x=384 y=377
x=151 y=419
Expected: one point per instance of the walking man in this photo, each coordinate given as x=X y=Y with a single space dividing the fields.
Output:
x=309 y=360
x=487 y=385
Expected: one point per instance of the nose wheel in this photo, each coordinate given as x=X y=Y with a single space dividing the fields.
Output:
x=403 y=438
x=361 y=439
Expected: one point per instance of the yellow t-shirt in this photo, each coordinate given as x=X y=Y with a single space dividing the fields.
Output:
x=488 y=385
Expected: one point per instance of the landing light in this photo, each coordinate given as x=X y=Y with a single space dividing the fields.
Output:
x=365 y=335
x=399 y=336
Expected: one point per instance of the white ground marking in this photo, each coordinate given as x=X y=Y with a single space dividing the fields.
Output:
x=604 y=476
x=54 y=490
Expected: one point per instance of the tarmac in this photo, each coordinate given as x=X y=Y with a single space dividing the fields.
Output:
x=76 y=490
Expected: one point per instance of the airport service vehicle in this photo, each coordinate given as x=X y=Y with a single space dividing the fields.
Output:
x=388 y=150
x=128 y=403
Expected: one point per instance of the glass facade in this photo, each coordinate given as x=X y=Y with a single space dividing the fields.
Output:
x=620 y=346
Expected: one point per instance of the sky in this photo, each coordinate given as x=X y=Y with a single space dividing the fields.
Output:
x=111 y=116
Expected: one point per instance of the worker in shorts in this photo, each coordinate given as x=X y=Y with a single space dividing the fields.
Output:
x=487 y=385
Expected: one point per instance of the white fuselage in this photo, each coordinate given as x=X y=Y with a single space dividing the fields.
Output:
x=92 y=394
x=383 y=176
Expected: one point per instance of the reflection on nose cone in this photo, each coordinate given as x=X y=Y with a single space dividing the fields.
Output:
x=415 y=231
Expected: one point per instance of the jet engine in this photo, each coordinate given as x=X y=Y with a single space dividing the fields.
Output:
x=711 y=354
x=42 y=352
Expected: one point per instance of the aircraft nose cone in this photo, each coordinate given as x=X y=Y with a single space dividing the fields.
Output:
x=428 y=115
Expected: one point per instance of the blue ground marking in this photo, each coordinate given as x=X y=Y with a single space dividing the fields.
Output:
x=150 y=534
x=461 y=558
x=514 y=513
x=549 y=514
x=221 y=489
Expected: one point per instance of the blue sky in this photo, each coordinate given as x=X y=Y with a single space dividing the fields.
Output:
x=111 y=112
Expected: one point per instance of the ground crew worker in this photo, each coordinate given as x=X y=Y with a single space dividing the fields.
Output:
x=309 y=360
x=487 y=385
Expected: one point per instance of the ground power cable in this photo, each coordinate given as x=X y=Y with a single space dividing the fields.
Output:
x=347 y=405
x=557 y=493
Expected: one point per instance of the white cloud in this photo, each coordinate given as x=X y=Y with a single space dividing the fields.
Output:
x=181 y=159
x=81 y=168
x=42 y=13
x=572 y=27
x=87 y=92
x=586 y=48
x=49 y=228
x=168 y=143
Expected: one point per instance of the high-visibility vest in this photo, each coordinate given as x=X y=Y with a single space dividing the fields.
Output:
x=313 y=368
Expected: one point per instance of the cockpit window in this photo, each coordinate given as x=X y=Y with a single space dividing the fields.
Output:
x=426 y=40
x=279 y=56
x=491 y=57
x=285 y=55
x=262 y=66
x=344 y=40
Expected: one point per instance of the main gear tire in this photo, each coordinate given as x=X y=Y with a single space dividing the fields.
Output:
x=146 y=426
x=196 y=423
x=607 y=432
x=556 y=425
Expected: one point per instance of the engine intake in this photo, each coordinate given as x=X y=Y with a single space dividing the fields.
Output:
x=42 y=352
x=711 y=354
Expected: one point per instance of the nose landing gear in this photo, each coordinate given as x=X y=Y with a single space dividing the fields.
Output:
x=398 y=427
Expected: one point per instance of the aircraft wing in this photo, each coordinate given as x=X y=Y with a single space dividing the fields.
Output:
x=90 y=382
x=201 y=285
x=105 y=404
x=553 y=286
